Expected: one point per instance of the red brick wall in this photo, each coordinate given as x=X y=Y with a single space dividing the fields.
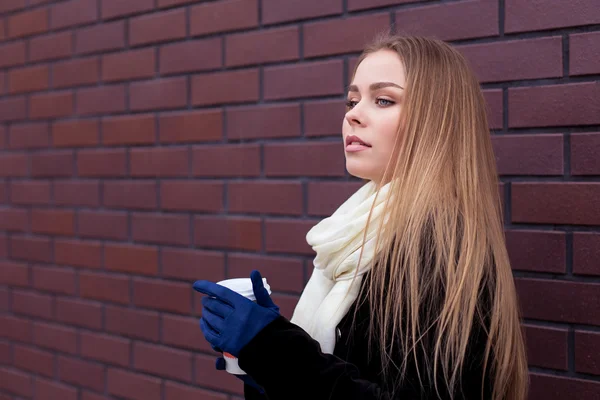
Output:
x=149 y=143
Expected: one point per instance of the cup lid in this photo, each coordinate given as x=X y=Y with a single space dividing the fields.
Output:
x=243 y=286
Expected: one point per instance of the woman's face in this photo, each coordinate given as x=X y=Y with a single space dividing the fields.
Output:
x=373 y=114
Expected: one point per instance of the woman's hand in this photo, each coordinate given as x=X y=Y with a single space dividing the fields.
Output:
x=229 y=320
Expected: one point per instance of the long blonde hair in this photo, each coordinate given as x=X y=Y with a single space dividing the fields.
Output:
x=443 y=247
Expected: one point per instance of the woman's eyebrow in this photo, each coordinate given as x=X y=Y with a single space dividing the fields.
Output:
x=375 y=86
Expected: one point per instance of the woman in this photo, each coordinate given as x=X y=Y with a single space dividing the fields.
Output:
x=412 y=295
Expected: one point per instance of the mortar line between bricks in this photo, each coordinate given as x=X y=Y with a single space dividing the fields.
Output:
x=501 y=17
x=565 y=55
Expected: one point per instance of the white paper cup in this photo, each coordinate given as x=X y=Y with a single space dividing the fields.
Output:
x=242 y=286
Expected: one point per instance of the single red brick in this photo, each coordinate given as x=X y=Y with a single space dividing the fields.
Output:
x=271 y=197
x=161 y=228
x=118 y=8
x=193 y=264
x=51 y=47
x=31 y=248
x=51 y=105
x=13 y=54
x=225 y=87
x=226 y=160
x=182 y=127
x=14 y=165
x=14 y=5
x=78 y=253
x=101 y=37
x=542 y=299
x=82 y=71
x=103 y=225
x=586 y=253
x=523 y=15
x=15 y=328
x=272 y=121
x=540 y=251
x=5 y=348
x=53 y=222
x=56 y=280
x=557 y=105
x=189 y=56
x=28 y=79
x=133 y=194
x=585 y=148
x=134 y=64
x=162 y=295
x=545 y=386
x=274 y=45
x=132 y=323
x=157 y=27
x=223 y=16
x=32 y=304
x=33 y=360
x=555 y=202
x=14 y=274
x=159 y=162
x=183 y=332
x=13 y=109
x=85 y=395
x=101 y=100
x=55 y=337
x=16 y=382
x=102 y=163
x=77 y=193
x=103 y=287
x=75 y=133
x=131 y=259
x=584 y=53
x=304 y=159
x=82 y=313
x=516 y=59
x=495 y=108
x=81 y=373
x=161 y=94
x=461 y=20
x=529 y=154
x=275 y=11
x=28 y=23
x=73 y=12
x=133 y=386
x=128 y=130
x=191 y=195
x=163 y=361
x=30 y=192
x=325 y=197
x=288 y=236
x=343 y=35
x=242 y=233
x=105 y=348
x=52 y=164
x=290 y=81
x=324 y=118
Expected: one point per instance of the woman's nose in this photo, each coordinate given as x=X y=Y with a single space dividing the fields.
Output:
x=354 y=116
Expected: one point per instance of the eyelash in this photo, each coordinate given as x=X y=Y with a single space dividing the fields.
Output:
x=349 y=103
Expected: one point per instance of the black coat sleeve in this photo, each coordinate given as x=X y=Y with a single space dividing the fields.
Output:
x=289 y=364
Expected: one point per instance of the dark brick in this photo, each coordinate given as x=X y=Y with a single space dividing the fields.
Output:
x=103 y=225
x=77 y=253
x=118 y=8
x=272 y=121
x=324 y=118
x=556 y=203
x=101 y=100
x=304 y=159
x=81 y=313
x=188 y=195
x=585 y=148
x=275 y=11
x=28 y=23
x=189 y=56
x=554 y=105
x=102 y=37
x=163 y=361
x=287 y=236
x=270 y=197
x=133 y=323
x=81 y=373
x=160 y=27
x=103 y=287
x=586 y=253
x=523 y=15
x=33 y=360
x=552 y=387
x=55 y=337
x=133 y=386
x=131 y=258
x=133 y=194
x=242 y=233
x=226 y=161
x=325 y=197
x=158 y=94
x=223 y=16
x=51 y=105
x=75 y=133
x=225 y=87
x=134 y=64
x=193 y=264
x=282 y=273
x=584 y=53
x=540 y=251
x=105 y=348
x=13 y=54
x=73 y=12
x=161 y=228
x=51 y=47
x=270 y=46
x=182 y=127
x=290 y=81
x=541 y=339
x=129 y=130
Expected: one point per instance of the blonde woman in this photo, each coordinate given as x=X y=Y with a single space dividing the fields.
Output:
x=412 y=295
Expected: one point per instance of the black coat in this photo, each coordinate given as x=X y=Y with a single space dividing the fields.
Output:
x=289 y=364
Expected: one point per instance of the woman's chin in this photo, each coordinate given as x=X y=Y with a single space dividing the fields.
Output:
x=358 y=171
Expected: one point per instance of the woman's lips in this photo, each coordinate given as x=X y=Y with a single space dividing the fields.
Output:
x=354 y=147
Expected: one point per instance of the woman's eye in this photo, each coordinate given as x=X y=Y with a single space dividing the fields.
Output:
x=384 y=102
x=351 y=103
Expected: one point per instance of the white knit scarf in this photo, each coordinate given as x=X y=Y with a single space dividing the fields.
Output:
x=337 y=241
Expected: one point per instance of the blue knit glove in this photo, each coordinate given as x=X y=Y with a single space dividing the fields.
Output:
x=229 y=320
